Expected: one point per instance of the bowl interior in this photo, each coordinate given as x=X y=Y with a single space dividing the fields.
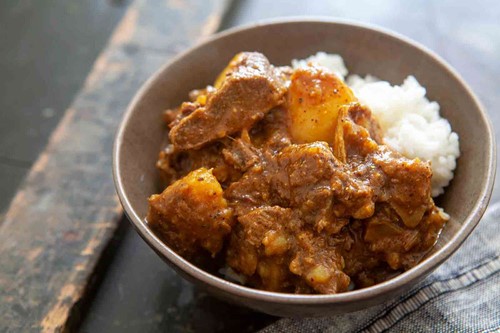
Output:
x=364 y=51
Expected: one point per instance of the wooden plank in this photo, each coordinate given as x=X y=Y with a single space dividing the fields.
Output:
x=66 y=211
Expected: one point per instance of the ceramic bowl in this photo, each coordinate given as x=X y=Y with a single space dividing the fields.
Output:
x=366 y=49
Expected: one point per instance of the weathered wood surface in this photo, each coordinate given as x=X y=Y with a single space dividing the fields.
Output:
x=41 y=72
x=66 y=211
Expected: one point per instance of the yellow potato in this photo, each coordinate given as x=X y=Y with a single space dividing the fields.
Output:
x=314 y=99
x=192 y=213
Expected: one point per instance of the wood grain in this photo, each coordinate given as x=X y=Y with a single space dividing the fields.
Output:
x=66 y=211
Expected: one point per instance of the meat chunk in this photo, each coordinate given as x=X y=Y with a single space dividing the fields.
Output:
x=307 y=164
x=386 y=234
x=362 y=116
x=401 y=246
x=364 y=266
x=390 y=177
x=321 y=186
x=174 y=164
x=272 y=131
x=319 y=263
x=191 y=214
x=271 y=246
x=262 y=185
x=241 y=154
x=310 y=169
x=408 y=190
x=249 y=91
x=259 y=245
x=173 y=116
x=355 y=138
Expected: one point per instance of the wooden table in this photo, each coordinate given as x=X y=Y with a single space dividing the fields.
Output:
x=134 y=290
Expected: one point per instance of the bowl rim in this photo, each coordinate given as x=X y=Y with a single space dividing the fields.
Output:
x=401 y=280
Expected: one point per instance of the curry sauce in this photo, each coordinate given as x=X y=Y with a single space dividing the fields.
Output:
x=283 y=176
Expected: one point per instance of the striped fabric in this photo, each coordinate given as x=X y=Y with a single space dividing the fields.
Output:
x=462 y=295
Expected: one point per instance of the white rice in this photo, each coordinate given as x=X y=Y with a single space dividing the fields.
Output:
x=333 y=62
x=410 y=122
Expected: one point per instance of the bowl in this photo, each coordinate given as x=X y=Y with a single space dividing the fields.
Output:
x=366 y=49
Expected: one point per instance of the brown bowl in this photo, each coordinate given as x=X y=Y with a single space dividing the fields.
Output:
x=366 y=50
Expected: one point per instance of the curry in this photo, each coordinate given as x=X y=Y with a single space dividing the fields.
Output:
x=283 y=176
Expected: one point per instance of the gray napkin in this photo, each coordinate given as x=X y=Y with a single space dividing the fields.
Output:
x=462 y=295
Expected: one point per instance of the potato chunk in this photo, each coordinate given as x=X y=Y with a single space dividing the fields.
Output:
x=191 y=214
x=314 y=99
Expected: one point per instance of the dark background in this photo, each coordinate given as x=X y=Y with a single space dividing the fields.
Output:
x=47 y=50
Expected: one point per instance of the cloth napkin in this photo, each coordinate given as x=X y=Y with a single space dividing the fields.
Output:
x=462 y=295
